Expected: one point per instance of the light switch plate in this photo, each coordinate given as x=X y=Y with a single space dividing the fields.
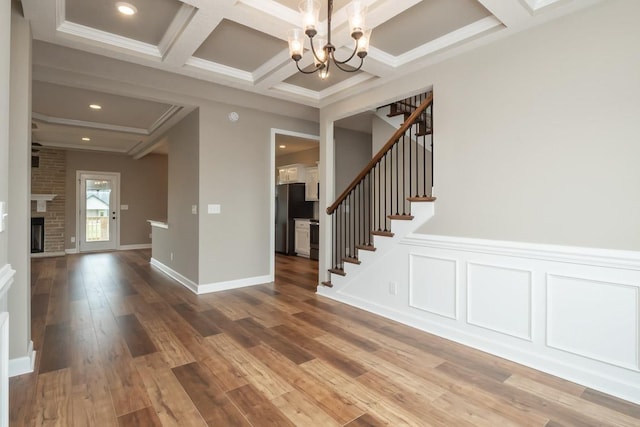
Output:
x=124 y=207
x=213 y=209
x=194 y=209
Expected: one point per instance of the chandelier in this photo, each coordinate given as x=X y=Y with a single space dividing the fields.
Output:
x=322 y=49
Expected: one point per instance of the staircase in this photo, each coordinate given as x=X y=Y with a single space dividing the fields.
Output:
x=389 y=198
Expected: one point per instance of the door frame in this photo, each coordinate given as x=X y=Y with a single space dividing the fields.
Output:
x=272 y=183
x=116 y=179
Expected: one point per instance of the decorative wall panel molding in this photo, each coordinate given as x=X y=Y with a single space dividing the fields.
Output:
x=433 y=284
x=593 y=319
x=499 y=299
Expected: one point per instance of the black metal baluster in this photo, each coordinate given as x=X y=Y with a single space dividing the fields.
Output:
x=385 y=192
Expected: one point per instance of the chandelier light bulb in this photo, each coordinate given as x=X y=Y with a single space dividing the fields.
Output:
x=310 y=10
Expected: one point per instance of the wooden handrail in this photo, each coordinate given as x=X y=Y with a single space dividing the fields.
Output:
x=394 y=138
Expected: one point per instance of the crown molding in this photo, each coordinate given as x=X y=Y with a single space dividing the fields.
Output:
x=90 y=125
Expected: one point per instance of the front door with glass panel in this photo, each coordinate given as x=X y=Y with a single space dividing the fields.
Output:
x=98 y=198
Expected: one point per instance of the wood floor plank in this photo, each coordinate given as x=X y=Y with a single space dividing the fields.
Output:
x=301 y=411
x=197 y=320
x=56 y=351
x=271 y=354
x=276 y=341
x=572 y=402
x=171 y=402
x=257 y=408
x=365 y=398
x=337 y=406
x=135 y=335
x=351 y=367
x=254 y=371
x=212 y=402
x=145 y=417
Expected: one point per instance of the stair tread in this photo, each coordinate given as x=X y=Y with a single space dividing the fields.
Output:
x=401 y=217
x=366 y=248
x=351 y=260
x=337 y=271
x=428 y=132
x=327 y=284
x=421 y=199
x=382 y=233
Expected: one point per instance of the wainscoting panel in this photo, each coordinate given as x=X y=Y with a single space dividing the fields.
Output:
x=593 y=319
x=433 y=284
x=499 y=299
x=569 y=311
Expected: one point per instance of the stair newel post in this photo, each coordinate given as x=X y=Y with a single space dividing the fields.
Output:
x=432 y=145
x=404 y=174
x=397 y=180
x=386 y=178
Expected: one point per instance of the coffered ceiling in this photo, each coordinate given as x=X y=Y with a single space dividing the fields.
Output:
x=243 y=44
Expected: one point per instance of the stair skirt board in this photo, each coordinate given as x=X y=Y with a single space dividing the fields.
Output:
x=448 y=286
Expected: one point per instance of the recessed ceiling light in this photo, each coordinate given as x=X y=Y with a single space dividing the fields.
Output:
x=95 y=107
x=86 y=139
x=283 y=146
x=126 y=8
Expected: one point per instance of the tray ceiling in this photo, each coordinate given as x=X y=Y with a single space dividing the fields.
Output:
x=242 y=44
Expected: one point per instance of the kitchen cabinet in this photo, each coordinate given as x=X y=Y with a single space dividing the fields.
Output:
x=291 y=174
x=312 y=185
x=302 y=238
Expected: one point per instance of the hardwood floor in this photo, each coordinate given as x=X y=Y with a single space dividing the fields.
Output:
x=120 y=344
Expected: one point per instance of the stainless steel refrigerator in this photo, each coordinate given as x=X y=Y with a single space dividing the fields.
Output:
x=290 y=204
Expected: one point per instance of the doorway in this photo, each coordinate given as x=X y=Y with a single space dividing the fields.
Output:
x=294 y=149
x=98 y=202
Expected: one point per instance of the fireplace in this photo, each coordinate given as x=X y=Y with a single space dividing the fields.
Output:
x=37 y=235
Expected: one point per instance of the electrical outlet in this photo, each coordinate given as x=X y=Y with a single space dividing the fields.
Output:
x=73 y=239
x=393 y=288
x=171 y=256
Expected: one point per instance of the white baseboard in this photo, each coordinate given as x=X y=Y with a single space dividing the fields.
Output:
x=234 y=284
x=210 y=287
x=529 y=303
x=134 y=247
x=71 y=251
x=184 y=281
x=23 y=365
x=48 y=254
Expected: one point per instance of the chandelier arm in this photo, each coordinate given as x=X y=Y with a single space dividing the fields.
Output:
x=347 y=69
x=306 y=72
x=313 y=51
x=355 y=49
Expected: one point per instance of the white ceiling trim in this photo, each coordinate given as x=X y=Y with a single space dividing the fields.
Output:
x=271 y=65
x=88 y=147
x=109 y=39
x=275 y=9
x=447 y=40
x=163 y=118
x=224 y=70
x=87 y=124
x=345 y=84
x=176 y=28
x=298 y=91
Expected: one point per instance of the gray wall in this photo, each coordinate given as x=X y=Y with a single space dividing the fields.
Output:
x=19 y=220
x=143 y=186
x=235 y=172
x=536 y=136
x=352 y=153
x=5 y=48
x=182 y=237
